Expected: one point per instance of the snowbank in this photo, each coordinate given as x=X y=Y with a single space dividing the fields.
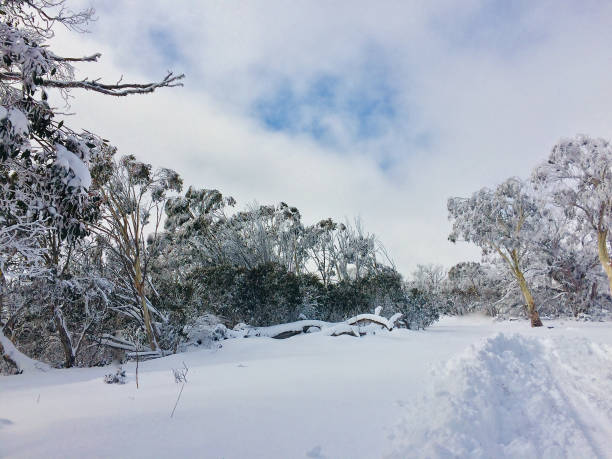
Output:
x=515 y=396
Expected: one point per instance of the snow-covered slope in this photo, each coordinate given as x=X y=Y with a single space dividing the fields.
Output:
x=516 y=396
x=467 y=387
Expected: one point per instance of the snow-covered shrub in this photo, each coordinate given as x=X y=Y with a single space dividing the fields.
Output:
x=204 y=330
x=419 y=310
x=471 y=287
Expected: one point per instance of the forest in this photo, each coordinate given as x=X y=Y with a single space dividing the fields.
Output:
x=105 y=257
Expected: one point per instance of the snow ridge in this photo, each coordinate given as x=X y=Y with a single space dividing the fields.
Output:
x=515 y=396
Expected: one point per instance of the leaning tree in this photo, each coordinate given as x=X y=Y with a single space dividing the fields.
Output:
x=504 y=222
x=578 y=178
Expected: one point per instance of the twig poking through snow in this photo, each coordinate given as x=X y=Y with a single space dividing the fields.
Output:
x=180 y=376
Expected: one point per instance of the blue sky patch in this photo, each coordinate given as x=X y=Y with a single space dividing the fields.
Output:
x=329 y=106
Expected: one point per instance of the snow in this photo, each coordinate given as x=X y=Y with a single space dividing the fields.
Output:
x=244 y=331
x=466 y=386
x=372 y=318
x=70 y=161
x=516 y=396
x=23 y=361
x=19 y=121
x=360 y=324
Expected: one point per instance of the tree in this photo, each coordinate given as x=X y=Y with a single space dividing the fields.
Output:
x=320 y=248
x=133 y=203
x=578 y=178
x=504 y=222
x=428 y=278
x=45 y=195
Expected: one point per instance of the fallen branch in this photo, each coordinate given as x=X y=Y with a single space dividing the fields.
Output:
x=355 y=326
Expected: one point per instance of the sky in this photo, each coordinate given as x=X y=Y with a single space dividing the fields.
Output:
x=379 y=110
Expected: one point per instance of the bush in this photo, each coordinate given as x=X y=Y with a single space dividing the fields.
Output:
x=420 y=310
x=268 y=294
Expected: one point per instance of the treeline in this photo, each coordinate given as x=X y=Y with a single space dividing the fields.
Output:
x=148 y=266
x=103 y=255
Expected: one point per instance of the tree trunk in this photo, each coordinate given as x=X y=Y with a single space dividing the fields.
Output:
x=64 y=334
x=531 y=309
x=143 y=304
x=604 y=256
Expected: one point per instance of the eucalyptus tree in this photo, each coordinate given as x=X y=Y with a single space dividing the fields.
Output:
x=133 y=200
x=578 y=178
x=320 y=248
x=505 y=222
x=43 y=163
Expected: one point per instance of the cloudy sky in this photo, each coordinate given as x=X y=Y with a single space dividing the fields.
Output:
x=378 y=109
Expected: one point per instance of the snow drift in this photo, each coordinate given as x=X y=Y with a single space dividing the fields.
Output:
x=515 y=396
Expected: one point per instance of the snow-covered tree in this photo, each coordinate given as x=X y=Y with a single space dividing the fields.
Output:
x=44 y=163
x=578 y=177
x=355 y=251
x=319 y=240
x=45 y=195
x=428 y=278
x=133 y=200
x=504 y=222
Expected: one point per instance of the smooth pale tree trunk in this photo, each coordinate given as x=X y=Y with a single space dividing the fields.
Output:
x=513 y=261
x=145 y=309
x=604 y=256
x=531 y=309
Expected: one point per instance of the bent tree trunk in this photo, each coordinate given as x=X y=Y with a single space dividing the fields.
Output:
x=531 y=309
x=604 y=256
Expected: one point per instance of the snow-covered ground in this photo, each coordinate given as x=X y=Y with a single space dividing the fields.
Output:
x=465 y=387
